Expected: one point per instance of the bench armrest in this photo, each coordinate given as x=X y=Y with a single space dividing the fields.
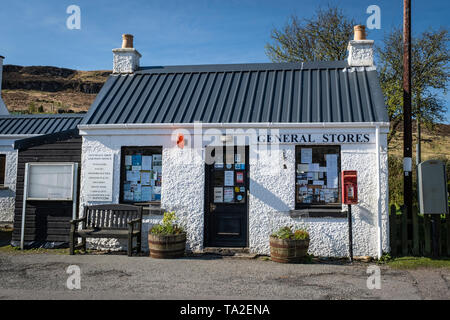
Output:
x=134 y=221
x=76 y=221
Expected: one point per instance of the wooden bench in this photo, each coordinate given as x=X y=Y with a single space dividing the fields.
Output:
x=108 y=221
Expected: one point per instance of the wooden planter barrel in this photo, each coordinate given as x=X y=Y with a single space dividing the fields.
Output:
x=167 y=246
x=288 y=251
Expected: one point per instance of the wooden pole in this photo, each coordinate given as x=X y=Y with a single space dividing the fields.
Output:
x=407 y=127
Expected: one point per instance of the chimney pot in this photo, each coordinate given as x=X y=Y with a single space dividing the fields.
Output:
x=359 y=32
x=360 y=50
x=127 y=41
x=3 y=108
x=126 y=59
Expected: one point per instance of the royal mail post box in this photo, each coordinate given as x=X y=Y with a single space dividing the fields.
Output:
x=349 y=187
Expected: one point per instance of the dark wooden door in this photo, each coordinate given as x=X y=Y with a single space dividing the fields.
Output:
x=226 y=205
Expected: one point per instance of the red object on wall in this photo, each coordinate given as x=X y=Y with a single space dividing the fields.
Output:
x=180 y=140
x=349 y=184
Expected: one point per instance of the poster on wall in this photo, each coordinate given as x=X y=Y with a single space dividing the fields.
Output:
x=229 y=178
x=98 y=173
x=228 y=195
x=218 y=194
x=306 y=155
x=146 y=162
x=332 y=171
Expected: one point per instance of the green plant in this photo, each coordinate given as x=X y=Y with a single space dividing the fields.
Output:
x=168 y=225
x=288 y=233
x=385 y=258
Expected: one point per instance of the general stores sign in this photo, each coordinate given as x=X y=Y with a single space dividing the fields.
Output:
x=316 y=138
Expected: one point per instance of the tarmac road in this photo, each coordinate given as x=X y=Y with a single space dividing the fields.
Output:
x=113 y=276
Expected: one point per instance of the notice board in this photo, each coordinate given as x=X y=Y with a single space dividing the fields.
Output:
x=98 y=173
x=50 y=181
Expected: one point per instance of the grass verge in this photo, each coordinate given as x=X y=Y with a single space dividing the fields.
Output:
x=418 y=262
x=16 y=250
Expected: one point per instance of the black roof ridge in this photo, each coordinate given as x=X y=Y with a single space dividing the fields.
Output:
x=269 y=66
x=46 y=139
x=43 y=115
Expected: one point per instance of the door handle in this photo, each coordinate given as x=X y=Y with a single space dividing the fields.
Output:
x=212 y=207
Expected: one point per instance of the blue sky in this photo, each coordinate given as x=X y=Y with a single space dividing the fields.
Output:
x=175 y=32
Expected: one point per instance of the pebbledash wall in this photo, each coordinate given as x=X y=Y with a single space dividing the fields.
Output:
x=8 y=192
x=272 y=185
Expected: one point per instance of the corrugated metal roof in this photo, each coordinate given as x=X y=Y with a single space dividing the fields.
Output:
x=38 y=124
x=268 y=92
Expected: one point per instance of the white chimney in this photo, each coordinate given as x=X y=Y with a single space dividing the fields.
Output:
x=3 y=108
x=360 y=50
x=126 y=59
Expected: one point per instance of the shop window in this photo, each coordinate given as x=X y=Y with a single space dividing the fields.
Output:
x=140 y=176
x=317 y=177
x=2 y=169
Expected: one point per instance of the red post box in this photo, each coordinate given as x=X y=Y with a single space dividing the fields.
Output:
x=349 y=187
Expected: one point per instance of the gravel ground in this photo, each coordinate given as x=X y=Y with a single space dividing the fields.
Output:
x=114 y=276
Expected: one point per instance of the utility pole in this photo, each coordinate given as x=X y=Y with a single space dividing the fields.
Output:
x=419 y=132
x=407 y=127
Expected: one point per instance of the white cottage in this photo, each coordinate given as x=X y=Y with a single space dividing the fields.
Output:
x=239 y=150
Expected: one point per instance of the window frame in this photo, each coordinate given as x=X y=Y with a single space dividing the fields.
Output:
x=124 y=150
x=2 y=170
x=332 y=206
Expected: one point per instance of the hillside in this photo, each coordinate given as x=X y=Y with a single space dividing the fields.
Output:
x=29 y=88
x=435 y=142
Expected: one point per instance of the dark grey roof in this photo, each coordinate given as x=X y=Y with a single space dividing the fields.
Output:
x=38 y=124
x=46 y=139
x=266 y=92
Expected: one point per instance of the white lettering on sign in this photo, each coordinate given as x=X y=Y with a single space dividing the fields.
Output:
x=315 y=138
x=98 y=170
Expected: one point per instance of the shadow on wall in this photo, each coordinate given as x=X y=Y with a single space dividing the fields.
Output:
x=267 y=197
x=7 y=193
x=366 y=215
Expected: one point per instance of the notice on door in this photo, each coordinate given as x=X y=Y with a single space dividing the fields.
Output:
x=98 y=172
x=218 y=194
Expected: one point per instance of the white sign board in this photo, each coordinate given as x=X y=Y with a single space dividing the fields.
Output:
x=98 y=173
x=50 y=181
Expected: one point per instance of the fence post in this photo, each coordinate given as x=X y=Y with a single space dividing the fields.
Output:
x=404 y=225
x=447 y=232
x=438 y=234
x=415 y=225
x=393 y=230
x=427 y=234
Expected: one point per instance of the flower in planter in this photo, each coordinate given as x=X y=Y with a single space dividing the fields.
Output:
x=288 y=233
x=168 y=225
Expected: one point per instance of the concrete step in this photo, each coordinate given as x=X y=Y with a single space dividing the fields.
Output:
x=234 y=253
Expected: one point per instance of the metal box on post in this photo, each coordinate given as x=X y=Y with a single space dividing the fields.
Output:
x=349 y=187
x=432 y=184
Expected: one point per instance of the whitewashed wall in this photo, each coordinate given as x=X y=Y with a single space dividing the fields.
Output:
x=8 y=194
x=272 y=191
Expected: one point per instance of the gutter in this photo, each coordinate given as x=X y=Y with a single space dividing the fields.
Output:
x=384 y=125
